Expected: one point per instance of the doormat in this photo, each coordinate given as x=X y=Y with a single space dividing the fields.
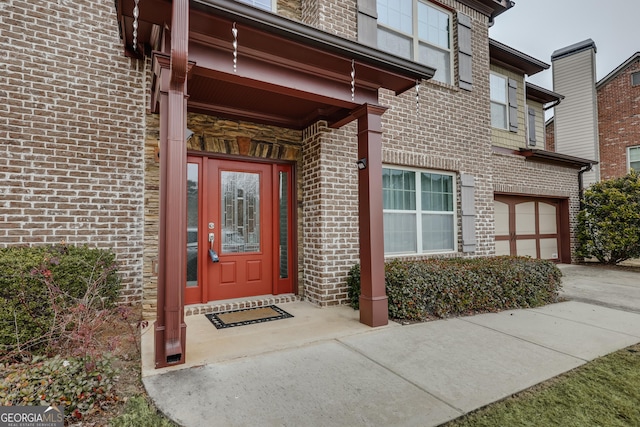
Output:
x=247 y=316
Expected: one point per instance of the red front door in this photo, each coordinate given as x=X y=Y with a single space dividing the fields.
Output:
x=241 y=211
x=244 y=222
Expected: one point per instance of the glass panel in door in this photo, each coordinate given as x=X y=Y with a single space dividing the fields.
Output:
x=240 y=212
x=192 y=224
x=283 y=211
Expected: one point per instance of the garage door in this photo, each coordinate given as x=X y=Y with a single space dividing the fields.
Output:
x=528 y=226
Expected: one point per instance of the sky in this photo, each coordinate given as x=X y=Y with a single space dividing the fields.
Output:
x=539 y=27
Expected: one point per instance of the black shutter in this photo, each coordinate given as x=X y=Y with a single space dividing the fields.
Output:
x=465 y=68
x=513 y=105
x=532 y=126
x=368 y=22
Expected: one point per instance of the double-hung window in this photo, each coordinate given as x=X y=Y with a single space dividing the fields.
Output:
x=499 y=101
x=633 y=154
x=419 y=211
x=417 y=30
x=262 y=4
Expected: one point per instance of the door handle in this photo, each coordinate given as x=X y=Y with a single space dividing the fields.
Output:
x=212 y=253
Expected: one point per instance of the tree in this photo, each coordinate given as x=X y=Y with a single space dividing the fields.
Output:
x=609 y=223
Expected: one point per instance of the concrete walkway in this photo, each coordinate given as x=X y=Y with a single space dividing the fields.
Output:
x=323 y=368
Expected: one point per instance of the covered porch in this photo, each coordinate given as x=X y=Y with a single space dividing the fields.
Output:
x=230 y=60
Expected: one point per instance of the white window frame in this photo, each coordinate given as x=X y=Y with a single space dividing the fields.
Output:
x=274 y=5
x=629 y=149
x=504 y=103
x=419 y=212
x=635 y=79
x=416 y=41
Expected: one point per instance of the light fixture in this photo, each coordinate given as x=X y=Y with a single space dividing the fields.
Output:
x=188 y=133
x=362 y=163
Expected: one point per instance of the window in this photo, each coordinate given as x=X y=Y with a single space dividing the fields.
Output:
x=419 y=211
x=633 y=154
x=262 y=4
x=635 y=79
x=499 y=101
x=419 y=31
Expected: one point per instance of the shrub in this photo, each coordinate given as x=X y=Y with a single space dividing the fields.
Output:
x=609 y=224
x=40 y=287
x=447 y=287
x=80 y=384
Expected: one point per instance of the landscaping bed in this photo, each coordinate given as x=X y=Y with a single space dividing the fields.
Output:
x=64 y=340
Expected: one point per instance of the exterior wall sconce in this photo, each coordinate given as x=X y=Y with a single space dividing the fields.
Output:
x=362 y=163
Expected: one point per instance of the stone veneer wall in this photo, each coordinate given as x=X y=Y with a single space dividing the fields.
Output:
x=72 y=131
x=291 y=9
x=213 y=135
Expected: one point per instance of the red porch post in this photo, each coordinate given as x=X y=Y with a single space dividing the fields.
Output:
x=170 y=329
x=374 y=310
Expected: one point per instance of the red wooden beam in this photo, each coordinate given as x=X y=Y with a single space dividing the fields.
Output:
x=374 y=310
x=170 y=329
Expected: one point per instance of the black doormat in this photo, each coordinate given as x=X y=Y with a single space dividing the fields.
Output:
x=247 y=316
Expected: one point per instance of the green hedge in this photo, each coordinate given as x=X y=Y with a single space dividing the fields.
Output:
x=451 y=287
x=34 y=279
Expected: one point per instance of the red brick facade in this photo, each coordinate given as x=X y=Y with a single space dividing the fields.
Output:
x=78 y=161
x=550 y=136
x=618 y=121
x=72 y=131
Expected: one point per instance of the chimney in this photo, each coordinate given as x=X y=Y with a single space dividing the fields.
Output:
x=576 y=117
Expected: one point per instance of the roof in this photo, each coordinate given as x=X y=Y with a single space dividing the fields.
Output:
x=490 y=8
x=542 y=95
x=573 y=49
x=635 y=57
x=288 y=74
x=510 y=58
x=551 y=156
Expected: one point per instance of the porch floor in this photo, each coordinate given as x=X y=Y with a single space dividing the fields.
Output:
x=207 y=345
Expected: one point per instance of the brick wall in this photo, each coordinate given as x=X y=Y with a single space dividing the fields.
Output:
x=618 y=122
x=451 y=132
x=550 y=136
x=337 y=17
x=71 y=126
x=330 y=205
x=514 y=174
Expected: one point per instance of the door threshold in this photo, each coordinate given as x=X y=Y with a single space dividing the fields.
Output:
x=239 y=304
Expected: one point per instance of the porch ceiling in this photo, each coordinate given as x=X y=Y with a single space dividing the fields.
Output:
x=288 y=74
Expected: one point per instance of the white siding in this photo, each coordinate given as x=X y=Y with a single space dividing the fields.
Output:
x=576 y=118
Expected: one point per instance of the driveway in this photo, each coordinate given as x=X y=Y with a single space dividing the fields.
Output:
x=612 y=287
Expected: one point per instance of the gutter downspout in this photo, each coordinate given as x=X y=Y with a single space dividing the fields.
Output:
x=581 y=183
x=554 y=104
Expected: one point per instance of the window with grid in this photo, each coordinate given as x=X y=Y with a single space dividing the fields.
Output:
x=633 y=154
x=417 y=30
x=419 y=211
x=262 y=4
x=499 y=101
